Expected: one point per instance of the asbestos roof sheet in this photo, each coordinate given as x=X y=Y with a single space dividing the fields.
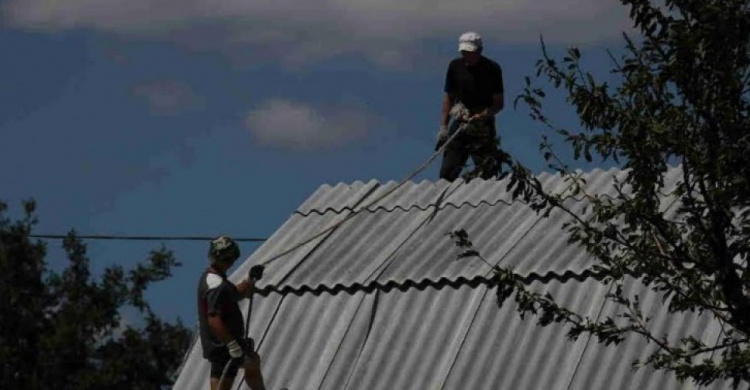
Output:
x=370 y=234
x=445 y=337
x=374 y=297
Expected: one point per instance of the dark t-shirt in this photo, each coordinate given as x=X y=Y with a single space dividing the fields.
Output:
x=217 y=296
x=474 y=85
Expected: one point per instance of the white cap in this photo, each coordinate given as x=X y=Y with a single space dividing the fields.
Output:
x=469 y=41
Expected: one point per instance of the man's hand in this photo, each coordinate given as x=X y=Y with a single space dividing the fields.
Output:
x=247 y=286
x=481 y=115
x=256 y=272
x=235 y=349
x=442 y=136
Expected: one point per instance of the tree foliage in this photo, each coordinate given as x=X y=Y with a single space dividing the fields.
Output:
x=65 y=330
x=681 y=103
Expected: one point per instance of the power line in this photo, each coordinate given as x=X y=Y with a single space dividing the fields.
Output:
x=283 y=253
x=141 y=238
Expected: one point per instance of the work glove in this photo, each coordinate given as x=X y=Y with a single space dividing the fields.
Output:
x=243 y=347
x=442 y=136
x=256 y=272
x=235 y=349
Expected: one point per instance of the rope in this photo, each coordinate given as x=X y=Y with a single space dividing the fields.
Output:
x=376 y=200
x=334 y=226
x=247 y=333
x=224 y=373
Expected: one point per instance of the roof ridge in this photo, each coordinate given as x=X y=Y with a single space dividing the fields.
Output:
x=588 y=172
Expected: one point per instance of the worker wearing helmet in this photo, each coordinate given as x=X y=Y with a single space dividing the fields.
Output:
x=220 y=319
x=473 y=96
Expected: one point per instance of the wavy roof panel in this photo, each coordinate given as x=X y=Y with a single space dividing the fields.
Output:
x=447 y=337
x=365 y=291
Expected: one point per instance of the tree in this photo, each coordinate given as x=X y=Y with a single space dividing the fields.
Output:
x=65 y=330
x=682 y=101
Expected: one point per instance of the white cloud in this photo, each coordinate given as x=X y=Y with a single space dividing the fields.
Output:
x=167 y=97
x=294 y=125
x=298 y=31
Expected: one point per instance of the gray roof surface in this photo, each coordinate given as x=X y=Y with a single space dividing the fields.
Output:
x=381 y=302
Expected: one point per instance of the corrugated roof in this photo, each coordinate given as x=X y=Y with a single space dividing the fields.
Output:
x=380 y=302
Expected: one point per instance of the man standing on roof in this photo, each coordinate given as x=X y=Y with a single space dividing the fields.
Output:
x=220 y=319
x=473 y=96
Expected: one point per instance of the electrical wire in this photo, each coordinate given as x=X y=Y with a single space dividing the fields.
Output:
x=255 y=239
x=141 y=238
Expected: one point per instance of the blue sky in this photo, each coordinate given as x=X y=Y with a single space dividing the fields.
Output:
x=158 y=117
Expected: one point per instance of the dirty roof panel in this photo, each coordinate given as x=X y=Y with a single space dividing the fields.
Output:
x=379 y=300
x=672 y=326
x=431 y=254
x=337 y=198
x=444 y=337
x=355 y=250
x=409 y=195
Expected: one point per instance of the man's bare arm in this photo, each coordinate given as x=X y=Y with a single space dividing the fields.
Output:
x=219 y=329
x=447 y=104
x=498 y=103
x=245 y=288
